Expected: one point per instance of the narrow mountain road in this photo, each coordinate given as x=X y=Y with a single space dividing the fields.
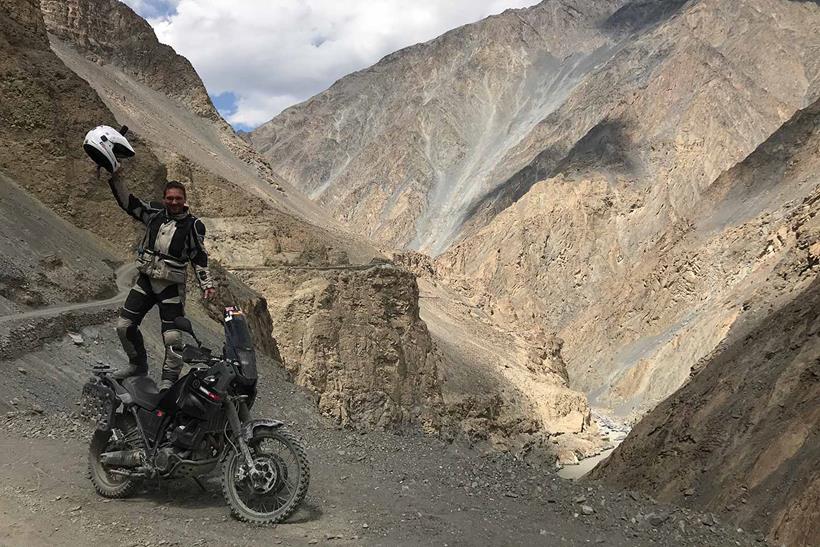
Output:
x=345 y=267
x=124 y=277
x=371 y=489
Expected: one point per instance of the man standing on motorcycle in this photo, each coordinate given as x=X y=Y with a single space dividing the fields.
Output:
x=173 y=237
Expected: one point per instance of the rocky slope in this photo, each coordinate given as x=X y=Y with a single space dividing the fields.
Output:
x=505 y=390
x=625 y=248
x=378 y=371
x=353 y=336
x=576 y=190
x=402 y=149
x=137 y=52
x=366 y=488
x=626 y=175
x=44 y=113
x=159 y=95
x=46 y=260
x=46 y=110
x=740 y=437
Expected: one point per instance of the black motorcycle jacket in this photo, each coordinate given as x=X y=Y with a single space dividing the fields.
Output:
x=170 y=241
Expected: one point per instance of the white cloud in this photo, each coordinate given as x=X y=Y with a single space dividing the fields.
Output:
x=274 y=53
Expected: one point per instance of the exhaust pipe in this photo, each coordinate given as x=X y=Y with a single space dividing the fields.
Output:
x=122 y=458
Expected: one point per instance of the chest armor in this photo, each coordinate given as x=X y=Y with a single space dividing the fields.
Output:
x=165 y=249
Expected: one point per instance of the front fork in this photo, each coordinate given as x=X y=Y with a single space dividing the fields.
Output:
x=237 y=415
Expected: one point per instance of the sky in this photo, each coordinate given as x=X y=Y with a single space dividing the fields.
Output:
x=257 y=57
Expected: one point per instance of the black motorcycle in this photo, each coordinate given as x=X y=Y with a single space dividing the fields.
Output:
x=201 y=422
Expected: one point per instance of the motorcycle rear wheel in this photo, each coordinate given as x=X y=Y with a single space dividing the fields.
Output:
x=105 y=483
x=280 y=485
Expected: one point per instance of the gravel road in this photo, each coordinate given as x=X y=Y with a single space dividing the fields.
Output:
x=366 y=489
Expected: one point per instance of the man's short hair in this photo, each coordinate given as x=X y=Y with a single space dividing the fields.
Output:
x=174 y=184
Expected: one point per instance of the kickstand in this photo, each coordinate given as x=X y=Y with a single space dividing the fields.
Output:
x=199 y=483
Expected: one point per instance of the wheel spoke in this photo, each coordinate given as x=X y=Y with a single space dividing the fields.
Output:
x=276 y=487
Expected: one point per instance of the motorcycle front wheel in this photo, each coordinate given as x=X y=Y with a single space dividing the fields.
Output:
x=272 y=491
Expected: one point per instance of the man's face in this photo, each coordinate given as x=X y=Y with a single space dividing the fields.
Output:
x=174 y=200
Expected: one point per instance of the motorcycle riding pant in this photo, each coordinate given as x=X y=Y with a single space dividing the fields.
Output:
x=169 y=297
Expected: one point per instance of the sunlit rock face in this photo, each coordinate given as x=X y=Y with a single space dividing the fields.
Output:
x=740 y=436
x=625 y=175
x=564 y=162
x=403 y=150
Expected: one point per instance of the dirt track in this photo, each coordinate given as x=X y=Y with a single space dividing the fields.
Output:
x=408 y=490
x=376 y=489
x=124 y=275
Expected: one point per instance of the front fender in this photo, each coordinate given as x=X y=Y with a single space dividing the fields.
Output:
x=248 y=428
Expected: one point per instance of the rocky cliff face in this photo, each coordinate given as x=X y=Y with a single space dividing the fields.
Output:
x=571 y=157
x=625 y=248
x=632 y=177
x=740 y=437
x=44 y=259
x=44 y=113
x=159 y=96
x=136 y=52
x=402 y=149
x=627 y=175
x=503 y=389
x=353 y=336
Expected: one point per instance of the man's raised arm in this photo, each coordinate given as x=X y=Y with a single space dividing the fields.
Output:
x=129 y=203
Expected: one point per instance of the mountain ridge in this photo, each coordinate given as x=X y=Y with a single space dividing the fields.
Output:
x=651 y=248
x=463 y=46
x=378 y=374
x=628 y=220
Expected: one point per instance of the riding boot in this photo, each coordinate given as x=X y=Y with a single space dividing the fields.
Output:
x=135 y=367
x=169 y=377
x=172 y=365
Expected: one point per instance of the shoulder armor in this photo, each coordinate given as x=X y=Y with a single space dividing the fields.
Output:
x=199 y=227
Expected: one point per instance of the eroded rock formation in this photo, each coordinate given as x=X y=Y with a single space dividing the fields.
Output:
x=353 y=336
x=374 y=369
x=400 y=150
x=626 y=175
x=740 y=437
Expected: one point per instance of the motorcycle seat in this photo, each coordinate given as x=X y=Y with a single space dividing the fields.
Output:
x=143 y=390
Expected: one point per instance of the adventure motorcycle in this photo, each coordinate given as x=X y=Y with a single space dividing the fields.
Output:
x=202 y=421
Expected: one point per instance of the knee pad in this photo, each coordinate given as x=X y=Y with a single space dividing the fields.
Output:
x=171 y=338
x=173 y=348
x=123 y=324
x=131 y=340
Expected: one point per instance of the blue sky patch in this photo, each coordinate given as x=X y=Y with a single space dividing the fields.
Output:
x=153 y=9
x=226 y=104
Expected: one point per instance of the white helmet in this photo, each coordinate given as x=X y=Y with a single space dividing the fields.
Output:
x=105 y=145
